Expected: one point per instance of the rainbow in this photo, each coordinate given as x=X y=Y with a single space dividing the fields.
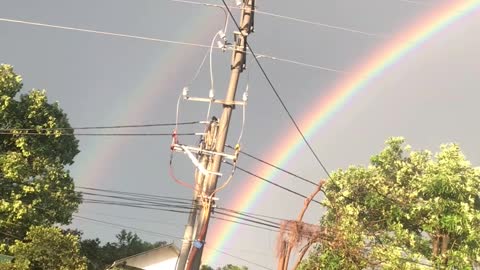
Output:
x=356 y=81
x=163 y=68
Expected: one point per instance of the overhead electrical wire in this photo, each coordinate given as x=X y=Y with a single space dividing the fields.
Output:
x=244 y=223
x=135 y=229
x=161 y=203
x=289 y=18
x=272 y=183
x=422 y=3
x=298 y=63
x=278 y=95
x=346 y=29
x=139 y=201
x=132 y=193
x=236 y=219
x=238 y=258
x=143 y=195
x=267 y=224
x=111 y=224
x=276 y=167
x=101 y=127
x=158 y=40
x=104 y=33
x=184 y=205
x=97 y=134
x=161 y=234
x=126 y=227
x=154 y=200
x=250 y=214
x=131 y=205
x=184 y=209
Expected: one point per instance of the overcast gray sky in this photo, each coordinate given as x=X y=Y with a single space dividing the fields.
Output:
x=429 y=96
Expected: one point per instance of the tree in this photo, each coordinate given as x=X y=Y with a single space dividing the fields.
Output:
x=128 y=243
x=47 y=248
x=407 y=210
x=36 y=188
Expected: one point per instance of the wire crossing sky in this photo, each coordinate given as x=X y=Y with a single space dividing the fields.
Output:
x=126 y=74
x=393 y=51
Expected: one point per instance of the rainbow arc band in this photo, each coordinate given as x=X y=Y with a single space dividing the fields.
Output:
x=389 y=53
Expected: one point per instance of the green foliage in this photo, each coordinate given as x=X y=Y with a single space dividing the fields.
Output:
x=36 y=188
x=47 y=248
x=406 y=210
x=128 y=244
x=226 y=267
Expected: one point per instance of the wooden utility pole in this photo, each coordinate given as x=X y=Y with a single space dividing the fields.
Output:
x=210 y=182
x=206 y=144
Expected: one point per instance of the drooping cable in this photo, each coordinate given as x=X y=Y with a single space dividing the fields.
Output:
x=245 y=224
x=103 y=33
x=211 y=93
x=100 y=127
x=96 y=134
x=272 y=183
x=278 y=95
x=159 y=40
x=107 y=223
x=299 y=20
x=275 y=166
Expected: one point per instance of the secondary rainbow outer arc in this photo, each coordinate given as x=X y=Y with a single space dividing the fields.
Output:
x=156 y=82
x=377 y=63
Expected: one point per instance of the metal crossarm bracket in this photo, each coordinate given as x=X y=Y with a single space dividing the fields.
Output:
x=197 y=150
x=218 y=101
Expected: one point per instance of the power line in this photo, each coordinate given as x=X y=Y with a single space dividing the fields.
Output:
x=162 y=222
x=298 y=63
x=153 y=206
x=169 y=204
x=233 y=256
x=248 y=222
x=140 y=206
x=250 y=213
x=161 y=203
x=143 y=195
x=289 y=18
x=101 y=127
x=133 y=193
x=159 y=40
x=278 y=95
x=126 y=227
x=422 y=3
x=346 y=29
x=272 y=183
x=104 y=33
x=276 y=167
x=97 y=134
x=162 y=234
x=271 y=225
x=170 y=208
x=245 y=224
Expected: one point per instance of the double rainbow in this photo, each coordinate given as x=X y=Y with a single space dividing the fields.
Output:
x=389 y=53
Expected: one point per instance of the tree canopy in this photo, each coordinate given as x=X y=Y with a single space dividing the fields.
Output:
x=406 y=210
x=46 y=248
x=36 y=188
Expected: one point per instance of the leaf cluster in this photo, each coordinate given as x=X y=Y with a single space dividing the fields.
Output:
x=36 y=188
x=406 y=210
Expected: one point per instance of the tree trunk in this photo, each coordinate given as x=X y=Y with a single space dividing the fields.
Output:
x=445 y=242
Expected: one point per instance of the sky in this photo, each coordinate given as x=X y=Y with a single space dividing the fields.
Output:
x=429 y=96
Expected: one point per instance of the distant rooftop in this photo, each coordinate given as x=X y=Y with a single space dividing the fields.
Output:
x=160 y=258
